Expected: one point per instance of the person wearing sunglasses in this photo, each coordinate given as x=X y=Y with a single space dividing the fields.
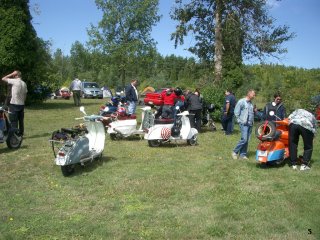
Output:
x=277 y=107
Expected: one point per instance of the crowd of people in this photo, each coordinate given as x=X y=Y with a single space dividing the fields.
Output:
x=301 y=122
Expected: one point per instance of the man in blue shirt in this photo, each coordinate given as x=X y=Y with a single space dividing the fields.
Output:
x=244 y=112
x=228 y=112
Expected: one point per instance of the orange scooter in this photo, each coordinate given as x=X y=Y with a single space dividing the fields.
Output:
x=274 y=141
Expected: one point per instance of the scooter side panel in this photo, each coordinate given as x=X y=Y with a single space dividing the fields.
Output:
x=155 y=131
x=125 y=127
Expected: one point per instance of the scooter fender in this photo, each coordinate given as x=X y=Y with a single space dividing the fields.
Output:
x=161 y=131
x=276 y=151
x=73 y=152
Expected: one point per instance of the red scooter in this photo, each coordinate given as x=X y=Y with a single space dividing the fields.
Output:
x=274 y=141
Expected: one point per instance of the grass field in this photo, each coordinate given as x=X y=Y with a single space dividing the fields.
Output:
x=136 y=192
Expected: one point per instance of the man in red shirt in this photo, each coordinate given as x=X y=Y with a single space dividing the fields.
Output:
x=170 y=98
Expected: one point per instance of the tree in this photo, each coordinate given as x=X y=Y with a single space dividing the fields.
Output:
x=20 y=48
x=124 y=31
x=205 y=19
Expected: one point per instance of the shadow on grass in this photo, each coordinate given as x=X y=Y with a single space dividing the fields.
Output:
x=91 y=166
x=7 y=150
x=38 y=136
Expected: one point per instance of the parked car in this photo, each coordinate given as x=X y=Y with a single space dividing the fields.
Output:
x=154 y=98
x=63 y=93
x=91 y=90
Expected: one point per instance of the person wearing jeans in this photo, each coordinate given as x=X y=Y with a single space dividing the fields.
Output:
x=244 y=112
x=132 y=96
x=18 y=97
x=301 y=122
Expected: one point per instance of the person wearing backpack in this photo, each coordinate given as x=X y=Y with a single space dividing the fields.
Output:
x=277 y=107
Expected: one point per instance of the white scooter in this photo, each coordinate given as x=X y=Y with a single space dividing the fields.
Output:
x=123 y=125
x=78 y=145
x=168 y=130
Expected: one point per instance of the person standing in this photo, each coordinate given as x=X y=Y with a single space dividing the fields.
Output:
x=75 y=87
x=18 y=97
x=244 y=112
x=132 y=96
x=277 y=107
x=194 y=106
x=301 y=123
x=228 y=112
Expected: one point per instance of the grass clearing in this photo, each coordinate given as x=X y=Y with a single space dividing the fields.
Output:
x=136 y=192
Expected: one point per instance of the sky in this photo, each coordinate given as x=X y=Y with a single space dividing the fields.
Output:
x=65 y=21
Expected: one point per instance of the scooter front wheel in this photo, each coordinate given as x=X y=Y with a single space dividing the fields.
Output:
x=192 y=141
x=67 y=170
x=154 y=143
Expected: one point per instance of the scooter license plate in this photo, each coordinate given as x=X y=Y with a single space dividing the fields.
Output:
x=262 y=153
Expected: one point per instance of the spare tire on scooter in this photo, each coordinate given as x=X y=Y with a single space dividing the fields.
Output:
x=266 y=131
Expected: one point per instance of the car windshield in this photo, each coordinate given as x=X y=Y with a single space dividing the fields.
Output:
x=91 y=85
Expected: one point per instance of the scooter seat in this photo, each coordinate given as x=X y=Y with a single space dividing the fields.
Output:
x=164 y=121
x=127 y=117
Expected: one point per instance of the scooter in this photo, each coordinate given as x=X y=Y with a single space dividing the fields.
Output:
x=207 y=120
x=111 y=106
x=274 y=141
x=168 y=130
x=8 y=134
x=123 y=125
x=78 y=145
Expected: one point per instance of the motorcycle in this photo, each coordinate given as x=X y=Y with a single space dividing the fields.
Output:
x=8 y=134
x=273 y=147
x=123 y=125
x=167 y=130
x=78 y=145
x=207 y=120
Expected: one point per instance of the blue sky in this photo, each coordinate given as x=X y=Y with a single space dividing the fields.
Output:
x=65 y=21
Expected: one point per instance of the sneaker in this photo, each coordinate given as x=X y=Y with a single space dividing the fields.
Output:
x=294 y=167
x=244 y=158
x=304 y=167
x=234 y=156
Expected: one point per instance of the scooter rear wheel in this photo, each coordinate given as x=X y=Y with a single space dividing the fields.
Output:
x=154 y=143
x=67 y=170
x=14 y=140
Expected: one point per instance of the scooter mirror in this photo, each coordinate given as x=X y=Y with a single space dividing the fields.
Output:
x=271 y=113
x=82 y=110
x=177 y=107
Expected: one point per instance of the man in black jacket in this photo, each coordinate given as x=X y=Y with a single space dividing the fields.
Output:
x=132 y=96
x=194 y=106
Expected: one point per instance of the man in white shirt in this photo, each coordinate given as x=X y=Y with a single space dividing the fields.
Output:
x=18 y=97
x=76 y=90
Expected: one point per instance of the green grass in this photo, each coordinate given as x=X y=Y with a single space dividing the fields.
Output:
x=136 y=192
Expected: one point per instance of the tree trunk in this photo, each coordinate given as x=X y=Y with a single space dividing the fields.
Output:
x=218 y=44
